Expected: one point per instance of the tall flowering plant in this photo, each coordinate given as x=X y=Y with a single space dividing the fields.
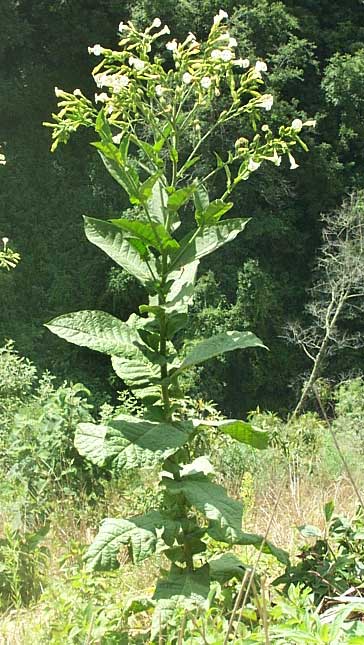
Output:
x=147 y=116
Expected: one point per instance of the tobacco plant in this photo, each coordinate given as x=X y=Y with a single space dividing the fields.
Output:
x=157 y=107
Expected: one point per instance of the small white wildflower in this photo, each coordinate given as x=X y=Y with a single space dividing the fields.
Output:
x=260 y=66
x=5 y=241
x=253 y=165
x=233 y=42
x=96 y=50
x=117 y=138
x=297 y=125
x=2 y=160
x=159 y=90
x=205 y=82
x=58 y=92
x=266 y=102
x=216 y=54
x=172 y=45
x=101 y=98
x=77 y=92
x=122 y=27
x=109 y=109
x=292 y=161
x=226 y=55
x=156 y=23
x=220 y=16
x=191 y=38
x=187 y=78
x=137 y=63
x=265 y=128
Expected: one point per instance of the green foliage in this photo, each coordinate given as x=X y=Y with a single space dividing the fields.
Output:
x=23 y=566
x=149 y=107
x=335 y=562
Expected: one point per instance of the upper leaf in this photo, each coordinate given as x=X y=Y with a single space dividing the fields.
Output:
x=154 y=235
x=117 y=246
x=96 y=330
x=212 y=213
x=227 y=341
x=240 y=431
x=130 y=441
x=205 y=240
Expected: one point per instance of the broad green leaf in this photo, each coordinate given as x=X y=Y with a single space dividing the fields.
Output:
x=146 y=188
x=201 y=199
x=142 y=533
x=182 y=589
x=138 y=373
x=157 y=203
x=240 y=431
x=212 y=501
x=329 y=510
x=227 y=341
x=96 y=330
x=125 y=175
x=225 y=567
x=309 y=531
x=180 y=295
x=111 y=240
x=248 y=539
x=213 y=213
x=151 y=234
x=130 y=441
x=180 y=197
x=205 y=240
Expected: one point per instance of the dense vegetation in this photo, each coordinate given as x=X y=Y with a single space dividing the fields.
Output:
x=243 y=545
x=315 y=60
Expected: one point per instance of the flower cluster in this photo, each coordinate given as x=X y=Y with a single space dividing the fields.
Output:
x=137 y=90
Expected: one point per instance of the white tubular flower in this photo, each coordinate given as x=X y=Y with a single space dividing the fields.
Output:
x=297 y=125
x=117 y=138
x=292 y=161
x=266 y=102
x=5 y=241
x=276 y=158
x=311 y=123
x=205 y=82
x=159 y=90
x=226 y=55
x=137 y=63
x=156 y=23
x=187 y=78
x=119 y=82
x=253 y=165
x=191 y=38
x=77 y=92
x=96 y=50
x=122 y=27
x=216 y=54
x=2 y=160
x=165 y=30
x=172 y=45
x=260 y=66
x=220 y=16
x=58 y=92
x=101 y=98
x=232 y=42
x=242 y=62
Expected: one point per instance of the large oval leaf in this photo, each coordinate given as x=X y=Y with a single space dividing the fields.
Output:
x=113 y=242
